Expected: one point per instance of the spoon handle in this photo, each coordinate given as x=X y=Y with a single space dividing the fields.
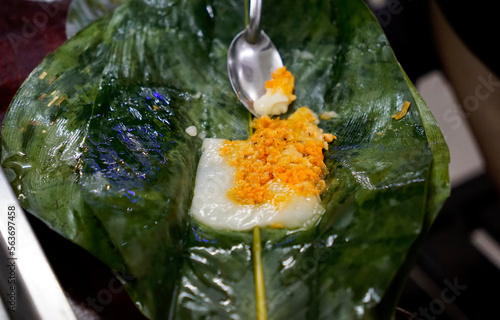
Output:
x=253 y=29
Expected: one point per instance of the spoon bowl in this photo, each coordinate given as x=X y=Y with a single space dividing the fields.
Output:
x=251 y=59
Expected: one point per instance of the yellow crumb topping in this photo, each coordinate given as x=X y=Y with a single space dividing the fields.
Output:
x=327 y=115
x=287 y=153
x=283 y=81
x=401 y=113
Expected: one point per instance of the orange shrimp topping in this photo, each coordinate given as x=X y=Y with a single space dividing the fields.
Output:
x=282 y=80
x=284 y=152
x=401 y=113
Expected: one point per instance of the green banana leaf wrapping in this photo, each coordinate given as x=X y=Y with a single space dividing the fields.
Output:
x=83 y=12
x=94 y=145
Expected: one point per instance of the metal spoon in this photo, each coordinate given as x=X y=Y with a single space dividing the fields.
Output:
x=251 y=59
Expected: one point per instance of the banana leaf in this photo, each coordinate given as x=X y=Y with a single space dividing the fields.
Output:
x=83 y=12
x=94 y=145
